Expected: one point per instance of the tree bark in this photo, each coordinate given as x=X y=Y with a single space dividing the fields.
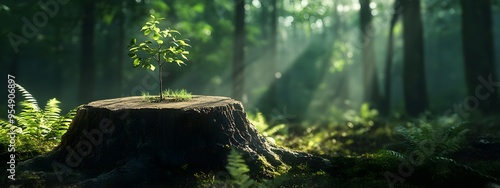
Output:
x=127 y=141
x=121 y=50
x=273 y=52
x=239 y=50
x=415 y=89
x=478 y=48
x=370 y=80
x=87 y=65
x=385 y=107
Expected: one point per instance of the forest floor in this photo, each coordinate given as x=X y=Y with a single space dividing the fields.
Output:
x=425 y=152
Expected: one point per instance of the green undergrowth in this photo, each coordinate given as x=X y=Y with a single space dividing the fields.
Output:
x=37 y=130
x=168 y=94
x=364 y=151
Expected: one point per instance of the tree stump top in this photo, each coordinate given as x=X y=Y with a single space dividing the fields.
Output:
x=137 y=102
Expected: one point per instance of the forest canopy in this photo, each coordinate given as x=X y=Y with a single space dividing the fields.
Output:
x=311 y=57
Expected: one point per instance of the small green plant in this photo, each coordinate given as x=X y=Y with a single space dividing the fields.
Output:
x=165 y=48
x=37 y=129
x=178 y=95
x=147 y=97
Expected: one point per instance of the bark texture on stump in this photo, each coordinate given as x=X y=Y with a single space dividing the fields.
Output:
x=126 y=140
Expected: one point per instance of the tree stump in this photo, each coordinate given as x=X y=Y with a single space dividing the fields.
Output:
x=127 y=140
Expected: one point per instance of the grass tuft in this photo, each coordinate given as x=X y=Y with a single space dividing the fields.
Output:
x=177 y=95
x=168 y=94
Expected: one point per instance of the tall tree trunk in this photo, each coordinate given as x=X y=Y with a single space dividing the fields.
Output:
x=239 y=50
x=370 y=80
x=264 y=19
x=415 y=90
x=87 y=65
x=477 y=36
x=385 y=106
x=273 y=49
x=58 y=43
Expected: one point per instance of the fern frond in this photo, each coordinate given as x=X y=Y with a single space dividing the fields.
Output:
x=27 y=96
x=30 y=117
x=51 y=115
x=4 y=123
x=238 y=170
x=63 y=123
x=394 y=154
x=258 y=121
x=68 y=117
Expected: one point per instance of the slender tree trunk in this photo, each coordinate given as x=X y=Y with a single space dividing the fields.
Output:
x=370 y=80
x=477 y=36
x=87 y=65
x=415 y=90
x=239 y=50
x=160 y=67
x=385 y=107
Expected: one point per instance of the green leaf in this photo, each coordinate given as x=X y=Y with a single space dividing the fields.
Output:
x=147 y=31
x=183 y=56
x=152 y=67
x=137 y=62
x=174 y=31
x=152 y=16
x=179 y=62
x=133 y=41
x=156 y=36
x=182 y=43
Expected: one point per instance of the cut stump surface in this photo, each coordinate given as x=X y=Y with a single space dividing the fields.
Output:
x=127 y=140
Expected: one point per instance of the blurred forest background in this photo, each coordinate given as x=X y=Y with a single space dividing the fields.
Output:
x=293 y=60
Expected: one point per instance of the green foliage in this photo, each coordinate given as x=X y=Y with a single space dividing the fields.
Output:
x=271 y=133
x=165 y=48
x=168 y=48
x=365 y=115
x=238 y=170
x=37 y=129
x=446 y=140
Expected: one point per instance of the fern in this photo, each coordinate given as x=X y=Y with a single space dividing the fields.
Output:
x=445 y=141
x=27 y=95
x=270 y=133
x=238 y=170
x=38 y=129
